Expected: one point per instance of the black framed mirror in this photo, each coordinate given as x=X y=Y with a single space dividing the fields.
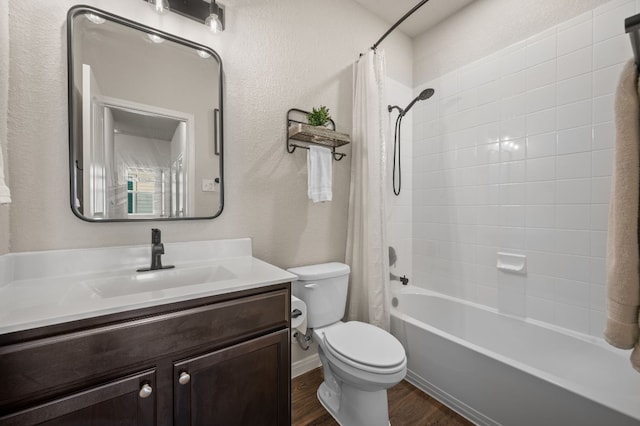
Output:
x=145 y=122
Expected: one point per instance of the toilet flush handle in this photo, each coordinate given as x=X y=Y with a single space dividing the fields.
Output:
x=311 y=285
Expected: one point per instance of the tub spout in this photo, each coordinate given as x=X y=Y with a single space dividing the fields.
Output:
x=403 y=279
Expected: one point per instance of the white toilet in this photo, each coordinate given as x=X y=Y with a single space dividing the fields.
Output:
x=360 y=361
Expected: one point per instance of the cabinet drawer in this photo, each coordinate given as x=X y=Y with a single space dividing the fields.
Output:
x=122 y=402
x=36 y=369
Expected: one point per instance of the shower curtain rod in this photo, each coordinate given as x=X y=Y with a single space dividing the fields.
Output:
x=632 y=27
x=400 y=21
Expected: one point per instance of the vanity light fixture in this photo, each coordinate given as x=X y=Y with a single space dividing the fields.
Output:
x=215 y=20
x=207 y=12
x=160 y=6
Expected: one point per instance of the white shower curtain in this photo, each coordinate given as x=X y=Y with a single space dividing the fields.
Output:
x=5 y=195
x=367 y=251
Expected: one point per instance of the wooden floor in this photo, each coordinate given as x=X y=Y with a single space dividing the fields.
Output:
x=408 y=406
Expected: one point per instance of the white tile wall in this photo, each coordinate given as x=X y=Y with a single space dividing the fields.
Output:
x=514 y=153
x=399 y=210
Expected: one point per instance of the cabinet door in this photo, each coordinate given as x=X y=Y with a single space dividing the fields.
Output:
x=129 y=401
x=245 y=384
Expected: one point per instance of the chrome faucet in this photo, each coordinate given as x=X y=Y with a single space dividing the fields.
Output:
x=157 y=250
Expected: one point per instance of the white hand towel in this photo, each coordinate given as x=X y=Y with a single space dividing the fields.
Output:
x=319 y=174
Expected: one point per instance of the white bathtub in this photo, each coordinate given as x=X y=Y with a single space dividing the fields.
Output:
x=499 y=370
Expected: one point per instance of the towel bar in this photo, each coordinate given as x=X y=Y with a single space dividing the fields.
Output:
x=336 y=155
x=632 y=27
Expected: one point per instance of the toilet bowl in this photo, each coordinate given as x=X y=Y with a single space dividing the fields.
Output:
x=360 y=361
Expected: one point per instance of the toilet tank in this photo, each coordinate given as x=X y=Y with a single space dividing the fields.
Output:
x=323 y=288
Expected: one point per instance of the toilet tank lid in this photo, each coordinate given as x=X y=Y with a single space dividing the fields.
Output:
x=321 y=271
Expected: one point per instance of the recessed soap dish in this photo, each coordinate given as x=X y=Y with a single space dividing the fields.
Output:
x=511 y=262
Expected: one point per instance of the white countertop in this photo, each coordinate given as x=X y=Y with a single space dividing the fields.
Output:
x=46 y=288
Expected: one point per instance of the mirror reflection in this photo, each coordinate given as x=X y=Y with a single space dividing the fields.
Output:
x=145 y=122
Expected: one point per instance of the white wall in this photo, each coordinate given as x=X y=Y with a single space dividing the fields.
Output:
x=515 y=154
x=485 y=26
x=399 y=207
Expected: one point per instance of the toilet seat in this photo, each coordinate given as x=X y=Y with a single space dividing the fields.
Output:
x=365 y=347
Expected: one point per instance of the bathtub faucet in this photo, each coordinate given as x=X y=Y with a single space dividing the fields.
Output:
x=403 y=279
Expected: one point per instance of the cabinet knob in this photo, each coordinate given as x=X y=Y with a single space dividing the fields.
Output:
x=145 y=391
x=184 y=378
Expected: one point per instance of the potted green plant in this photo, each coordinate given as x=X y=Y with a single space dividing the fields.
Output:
x=319 y=116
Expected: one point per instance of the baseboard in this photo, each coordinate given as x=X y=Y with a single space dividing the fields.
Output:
x=305 y=365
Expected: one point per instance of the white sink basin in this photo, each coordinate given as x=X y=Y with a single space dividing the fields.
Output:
x=76 y=284
x=140 y=282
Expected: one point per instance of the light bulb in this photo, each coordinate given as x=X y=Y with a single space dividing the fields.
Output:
x=213 y=22
x=155 y=38
x=160 y=6
x=95 y=18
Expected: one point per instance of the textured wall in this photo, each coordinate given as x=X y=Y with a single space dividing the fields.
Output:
x=276 y=54
x=514 y=154
x=484 y=27
x=4 y=83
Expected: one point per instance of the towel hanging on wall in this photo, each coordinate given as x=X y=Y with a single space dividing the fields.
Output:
x=623 y=255
x=319 y=174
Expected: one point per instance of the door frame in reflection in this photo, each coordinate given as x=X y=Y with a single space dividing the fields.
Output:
x=102 y=164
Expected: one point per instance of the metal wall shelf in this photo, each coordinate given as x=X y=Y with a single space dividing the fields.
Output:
x=306 y=135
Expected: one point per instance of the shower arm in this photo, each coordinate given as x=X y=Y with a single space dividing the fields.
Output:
x=392 y=107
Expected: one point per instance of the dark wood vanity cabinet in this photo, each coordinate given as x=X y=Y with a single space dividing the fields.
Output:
x=222 y=360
